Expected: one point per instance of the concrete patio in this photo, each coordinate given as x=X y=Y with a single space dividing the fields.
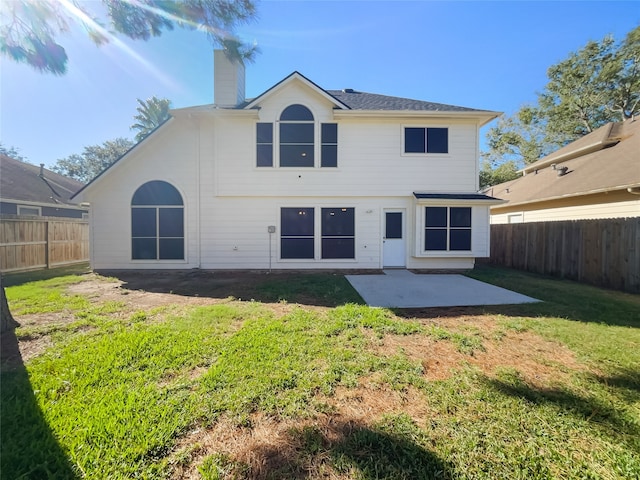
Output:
x=404 y=289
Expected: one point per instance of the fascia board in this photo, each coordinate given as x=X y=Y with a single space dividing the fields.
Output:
x=483 y=116
x=295 y=76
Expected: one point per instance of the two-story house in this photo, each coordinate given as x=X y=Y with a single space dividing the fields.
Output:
x=297 y=178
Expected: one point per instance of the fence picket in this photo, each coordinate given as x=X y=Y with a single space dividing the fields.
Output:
x=602 y=252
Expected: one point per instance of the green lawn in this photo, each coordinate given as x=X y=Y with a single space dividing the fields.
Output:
x=225 y=389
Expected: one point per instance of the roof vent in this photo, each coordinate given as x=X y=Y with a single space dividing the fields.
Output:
x=347 y=90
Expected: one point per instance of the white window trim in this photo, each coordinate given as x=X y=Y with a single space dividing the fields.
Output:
x=317 y=143
x=30 y=207
x=421 y=227
x=425 y=154
x=158 y=260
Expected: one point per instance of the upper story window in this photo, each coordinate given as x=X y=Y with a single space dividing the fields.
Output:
x=296 y=140
x=426 y=140
x=297 y=135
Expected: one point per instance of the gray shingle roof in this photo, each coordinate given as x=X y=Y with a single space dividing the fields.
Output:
x=22 y=181
x=356 y=100
x=372 y=101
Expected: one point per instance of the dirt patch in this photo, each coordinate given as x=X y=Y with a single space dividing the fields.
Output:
x=541 y=362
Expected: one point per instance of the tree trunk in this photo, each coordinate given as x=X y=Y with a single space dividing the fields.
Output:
x=6 y=319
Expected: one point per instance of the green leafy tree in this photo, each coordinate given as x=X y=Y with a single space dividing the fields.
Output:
x=502 y=173
x=597 y=84
x=12 y=152
x=521 y=138
x=93 y=160
x=151 y=114
x=29 y=29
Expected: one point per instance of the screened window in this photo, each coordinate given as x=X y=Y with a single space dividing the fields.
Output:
x=329 y=149
x=297 y=233
x=157 y=222
x=447 y=228
x=426 y=140
x=338 y=233
x=297 y=137
x=264 y=142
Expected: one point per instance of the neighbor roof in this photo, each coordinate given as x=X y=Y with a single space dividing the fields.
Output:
x=22 y=182
x=605 y=160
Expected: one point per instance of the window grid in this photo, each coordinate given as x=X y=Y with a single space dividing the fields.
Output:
x=447 y=229
x=338 y=233
x=426 y=140
x=298 y=238
x=157 y=222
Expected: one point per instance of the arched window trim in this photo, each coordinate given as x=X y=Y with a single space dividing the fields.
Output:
x=157 y=222
x=297 y=137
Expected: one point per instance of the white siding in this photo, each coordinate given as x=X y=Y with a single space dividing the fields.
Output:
x=170 y=157
x=229 y=202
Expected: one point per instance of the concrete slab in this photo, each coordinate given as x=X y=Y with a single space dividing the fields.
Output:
x=404 y=289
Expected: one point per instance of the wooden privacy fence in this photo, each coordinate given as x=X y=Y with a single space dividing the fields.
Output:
x=603 y=252
x=42 y=242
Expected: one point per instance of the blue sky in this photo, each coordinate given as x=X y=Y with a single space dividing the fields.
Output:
x=487 y=55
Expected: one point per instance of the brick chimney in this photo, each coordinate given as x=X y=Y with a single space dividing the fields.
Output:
x=228 y=80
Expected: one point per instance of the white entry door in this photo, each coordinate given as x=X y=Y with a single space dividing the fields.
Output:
x=393 y=241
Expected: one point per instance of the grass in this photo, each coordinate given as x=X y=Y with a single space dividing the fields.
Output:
x=337 y=392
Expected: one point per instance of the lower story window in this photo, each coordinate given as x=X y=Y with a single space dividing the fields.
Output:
x=157 y=233
x=447 y=228
x=297 y=233
x=297 y=237
x=338 y=233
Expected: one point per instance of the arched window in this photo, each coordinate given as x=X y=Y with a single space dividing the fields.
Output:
x=296 y=137
x=157 y=222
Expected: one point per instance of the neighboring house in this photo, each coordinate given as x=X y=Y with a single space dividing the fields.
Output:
x=296 y=178
x=28 y=190
x=597 y=176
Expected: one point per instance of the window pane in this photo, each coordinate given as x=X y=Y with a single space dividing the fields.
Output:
x=460 y=216
x=414 y=140
x=296 y=133
x=338 y=248
x=437 y=140
x=296 y=221
x=436 y=217
x=296 y=112
x=171 y=249
x=143 y=249
x=329 y=133
x=296 y=248
x=296 y=156
x=393 y=225
x=264 y=132
x=171 y=223
x=143 y=222
x=265 y=156
x=460 y=239
x=157 y=193
x=435 y=239
x=329 y=156
x=338 y=222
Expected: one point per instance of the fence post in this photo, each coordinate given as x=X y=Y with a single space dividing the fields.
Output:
x=47 y=246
